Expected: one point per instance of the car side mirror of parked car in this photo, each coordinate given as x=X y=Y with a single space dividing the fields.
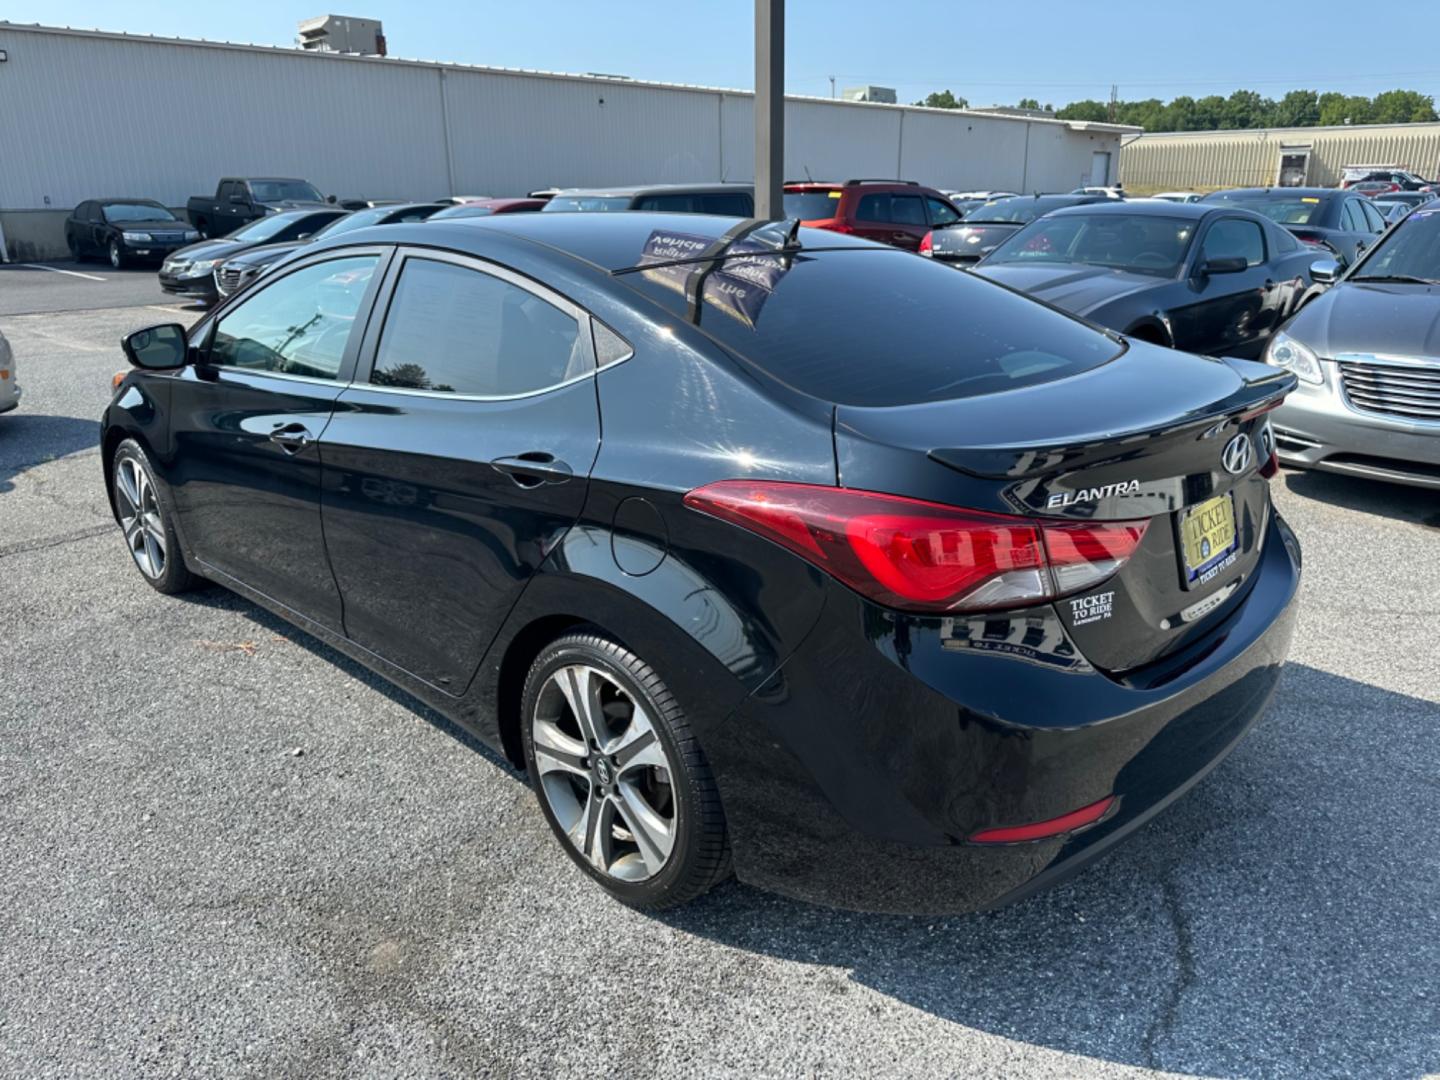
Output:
x=331 y=199
x=1324 y=271
x=1230 y=264
x=156 y=348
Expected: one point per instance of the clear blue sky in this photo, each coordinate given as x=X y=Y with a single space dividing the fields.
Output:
x=988 y=53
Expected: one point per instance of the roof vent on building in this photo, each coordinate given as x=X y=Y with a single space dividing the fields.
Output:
x=342 y=34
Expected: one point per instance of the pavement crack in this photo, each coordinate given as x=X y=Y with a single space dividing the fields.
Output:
x=1168 y=1016
x=54 y=541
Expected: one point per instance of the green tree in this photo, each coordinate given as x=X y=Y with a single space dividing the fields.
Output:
x=1028 y=103
x=1245 y=109
x=1088 y=109
x=1402 y=107
x=1209 y=111
x=944 y=100
x=1179 y=115
x=1298 y=108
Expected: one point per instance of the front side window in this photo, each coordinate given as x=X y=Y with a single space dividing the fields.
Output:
x=454 y=330
x=907 y=210
x=1230 y=238
x=299 y=325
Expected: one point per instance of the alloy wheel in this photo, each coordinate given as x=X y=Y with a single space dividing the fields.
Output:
x=115 y=259
x=140 y=517
x=604 y=773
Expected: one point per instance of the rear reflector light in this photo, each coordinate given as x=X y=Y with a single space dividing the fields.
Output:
x=923 y=556
x=1041 y=830
x=838 y=225
x=927 y=244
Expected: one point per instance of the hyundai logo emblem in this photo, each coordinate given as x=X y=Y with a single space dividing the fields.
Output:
x=1237 y=455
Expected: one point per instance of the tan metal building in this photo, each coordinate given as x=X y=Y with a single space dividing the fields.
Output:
x=1205 y=160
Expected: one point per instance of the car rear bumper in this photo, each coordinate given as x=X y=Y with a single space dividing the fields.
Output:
x=855 y=775
x=1317 y=429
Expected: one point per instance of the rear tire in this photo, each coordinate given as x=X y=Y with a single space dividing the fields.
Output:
x=621 y=779
x=143 y=507
x=74 y=246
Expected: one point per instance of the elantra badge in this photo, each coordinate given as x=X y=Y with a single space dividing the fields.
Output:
x=1070 y=498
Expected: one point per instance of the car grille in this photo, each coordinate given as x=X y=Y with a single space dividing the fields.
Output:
x=228 y=279
x=1410 y=391
x=166 y=237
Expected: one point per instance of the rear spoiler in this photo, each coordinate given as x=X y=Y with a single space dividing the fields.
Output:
x=1263 y=388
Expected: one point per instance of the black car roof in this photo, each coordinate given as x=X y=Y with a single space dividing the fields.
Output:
x=609 y=241
x=1142 y=208
x=1277 y=192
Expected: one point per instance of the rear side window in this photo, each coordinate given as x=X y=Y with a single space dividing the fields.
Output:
x=454 y=330
x=941 y=213
x=730 y=204
x=1375 y=219
x=869 y=327
x=873 y=208
x=299 y=325
x=1231 y=237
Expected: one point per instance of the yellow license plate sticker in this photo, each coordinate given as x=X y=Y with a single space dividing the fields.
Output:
x=1207 y=537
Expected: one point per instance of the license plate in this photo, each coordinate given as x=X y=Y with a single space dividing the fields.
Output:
x=1207 y=538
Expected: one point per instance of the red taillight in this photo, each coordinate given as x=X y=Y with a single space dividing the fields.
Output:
x=927 y=244
x=837 y=225
x=923 y=556
x=1042 y=830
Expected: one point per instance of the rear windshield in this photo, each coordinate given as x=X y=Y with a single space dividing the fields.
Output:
x=811 y=205
x=284 y=191
x=1281 y=209
x=118 y=212
x=1136 y=243
x=1020 y=209
x=872 y=327
x=589 y=202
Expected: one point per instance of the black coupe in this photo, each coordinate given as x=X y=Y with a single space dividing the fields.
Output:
x=1193 y=276
x=885 y=586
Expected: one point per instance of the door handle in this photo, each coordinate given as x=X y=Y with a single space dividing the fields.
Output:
x=533 y=468
x=292 y=437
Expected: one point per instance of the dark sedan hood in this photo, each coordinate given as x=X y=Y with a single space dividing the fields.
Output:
x=267 y=253
x=209 y=249
x=1356 y=317
x=1075 y=287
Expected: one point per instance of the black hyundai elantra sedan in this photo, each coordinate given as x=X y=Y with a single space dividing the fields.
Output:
x=759 y=548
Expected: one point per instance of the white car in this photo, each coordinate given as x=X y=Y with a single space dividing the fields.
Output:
x=1179 y=196
x=9 y=387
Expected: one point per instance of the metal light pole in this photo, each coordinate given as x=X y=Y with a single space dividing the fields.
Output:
x=769 y=108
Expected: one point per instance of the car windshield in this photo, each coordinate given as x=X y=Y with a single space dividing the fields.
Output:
x=358 y=220
x=812 y=205
x=461 y=212
x=589 y=203
x=1139 y=243
x=271 y=225
x=1410 y=250
x=115 y=213
x=284 y=191
x=1020 y=209
x=1281 y=209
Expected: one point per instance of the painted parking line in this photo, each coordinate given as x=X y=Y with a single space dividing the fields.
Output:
x=57 y=270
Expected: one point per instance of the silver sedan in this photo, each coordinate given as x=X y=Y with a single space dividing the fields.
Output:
x=9 y=386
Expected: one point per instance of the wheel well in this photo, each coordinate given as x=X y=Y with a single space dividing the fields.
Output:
x=510 y=685
x=1154 y=333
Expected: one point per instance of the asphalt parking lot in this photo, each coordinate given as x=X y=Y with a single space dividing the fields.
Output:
x=230 y=851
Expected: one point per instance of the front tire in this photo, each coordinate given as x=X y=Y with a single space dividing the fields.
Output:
x=117 y=257
x=142 y=506
x=619 y=776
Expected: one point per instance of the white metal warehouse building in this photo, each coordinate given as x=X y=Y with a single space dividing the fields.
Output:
x=85 y=114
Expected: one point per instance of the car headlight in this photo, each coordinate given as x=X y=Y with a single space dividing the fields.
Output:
x=204 y=266
x=137 y=237
x=1284 y=351
x=192 y=234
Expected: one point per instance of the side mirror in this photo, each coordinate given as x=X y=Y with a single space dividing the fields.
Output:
x=1230 y=264
x=156 y=348
x=330 y=198
x=1324 y=271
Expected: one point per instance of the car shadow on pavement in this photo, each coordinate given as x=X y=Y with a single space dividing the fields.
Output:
x=1281 y=920
x=28 y=440
x=215 y=596
x=1398 y=501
